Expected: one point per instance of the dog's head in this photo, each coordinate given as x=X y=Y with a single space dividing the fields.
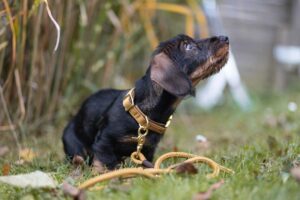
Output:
x=180 y=63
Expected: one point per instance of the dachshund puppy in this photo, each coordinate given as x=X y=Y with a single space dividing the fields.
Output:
x=99 y=130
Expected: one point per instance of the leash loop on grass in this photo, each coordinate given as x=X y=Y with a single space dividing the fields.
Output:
x=155 y=171
x=126 y=172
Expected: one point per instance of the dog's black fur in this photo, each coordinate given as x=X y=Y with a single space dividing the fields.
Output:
x=101 y=123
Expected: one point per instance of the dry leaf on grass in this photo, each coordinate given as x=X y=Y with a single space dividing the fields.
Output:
x=3 y=150
x=35 y=179
x=295 y=172
x=186 y=168
x=75 y=193
x=27 y=154
x=5 y=169
x=207 y=195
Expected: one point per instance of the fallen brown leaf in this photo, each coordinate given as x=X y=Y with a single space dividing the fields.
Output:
x=5 y=169
x=27 y=154
x=186 y=168
x=175 y=148
x=295 y=172
x=207 y=195
x=75 y=193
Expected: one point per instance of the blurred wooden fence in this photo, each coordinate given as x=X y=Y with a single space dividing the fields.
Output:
x=255 y=27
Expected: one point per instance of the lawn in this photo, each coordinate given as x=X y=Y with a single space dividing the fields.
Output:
x=261 y=146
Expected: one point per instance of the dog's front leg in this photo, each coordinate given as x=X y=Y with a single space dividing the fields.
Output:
x=104 y=155
x=148 y=153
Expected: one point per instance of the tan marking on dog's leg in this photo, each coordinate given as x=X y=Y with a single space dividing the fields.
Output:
x=98 y=167
x=78 y=160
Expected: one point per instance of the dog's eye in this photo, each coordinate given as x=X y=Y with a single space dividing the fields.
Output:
x=188 y=46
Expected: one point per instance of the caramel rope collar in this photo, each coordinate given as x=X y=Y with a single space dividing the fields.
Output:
x=140 y=117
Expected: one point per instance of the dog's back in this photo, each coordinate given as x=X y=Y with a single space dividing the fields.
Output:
x=81 y=131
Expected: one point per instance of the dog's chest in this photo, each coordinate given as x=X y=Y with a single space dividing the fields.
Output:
x=128 y=143
x=151 y=139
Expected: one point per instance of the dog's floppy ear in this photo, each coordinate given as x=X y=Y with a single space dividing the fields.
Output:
x=169 y=77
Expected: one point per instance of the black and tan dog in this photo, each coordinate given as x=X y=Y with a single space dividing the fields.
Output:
x=100 y=128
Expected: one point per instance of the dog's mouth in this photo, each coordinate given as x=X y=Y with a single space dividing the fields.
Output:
x=212 y=65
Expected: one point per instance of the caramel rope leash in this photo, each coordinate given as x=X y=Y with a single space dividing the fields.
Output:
x=156 y=171
x=153 y=171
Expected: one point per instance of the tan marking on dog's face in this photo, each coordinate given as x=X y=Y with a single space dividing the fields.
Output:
x=212 y=65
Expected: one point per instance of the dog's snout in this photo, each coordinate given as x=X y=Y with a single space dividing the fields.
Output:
x=224 y=39
x=214 y=39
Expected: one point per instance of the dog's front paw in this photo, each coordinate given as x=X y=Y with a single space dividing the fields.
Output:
x=98 y=167
x=78 y=160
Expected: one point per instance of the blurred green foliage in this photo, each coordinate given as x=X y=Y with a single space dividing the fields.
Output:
x=103 y=43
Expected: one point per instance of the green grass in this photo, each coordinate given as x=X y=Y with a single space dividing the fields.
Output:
x=261 y=146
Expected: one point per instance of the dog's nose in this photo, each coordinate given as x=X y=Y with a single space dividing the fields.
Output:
x=224 y=39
